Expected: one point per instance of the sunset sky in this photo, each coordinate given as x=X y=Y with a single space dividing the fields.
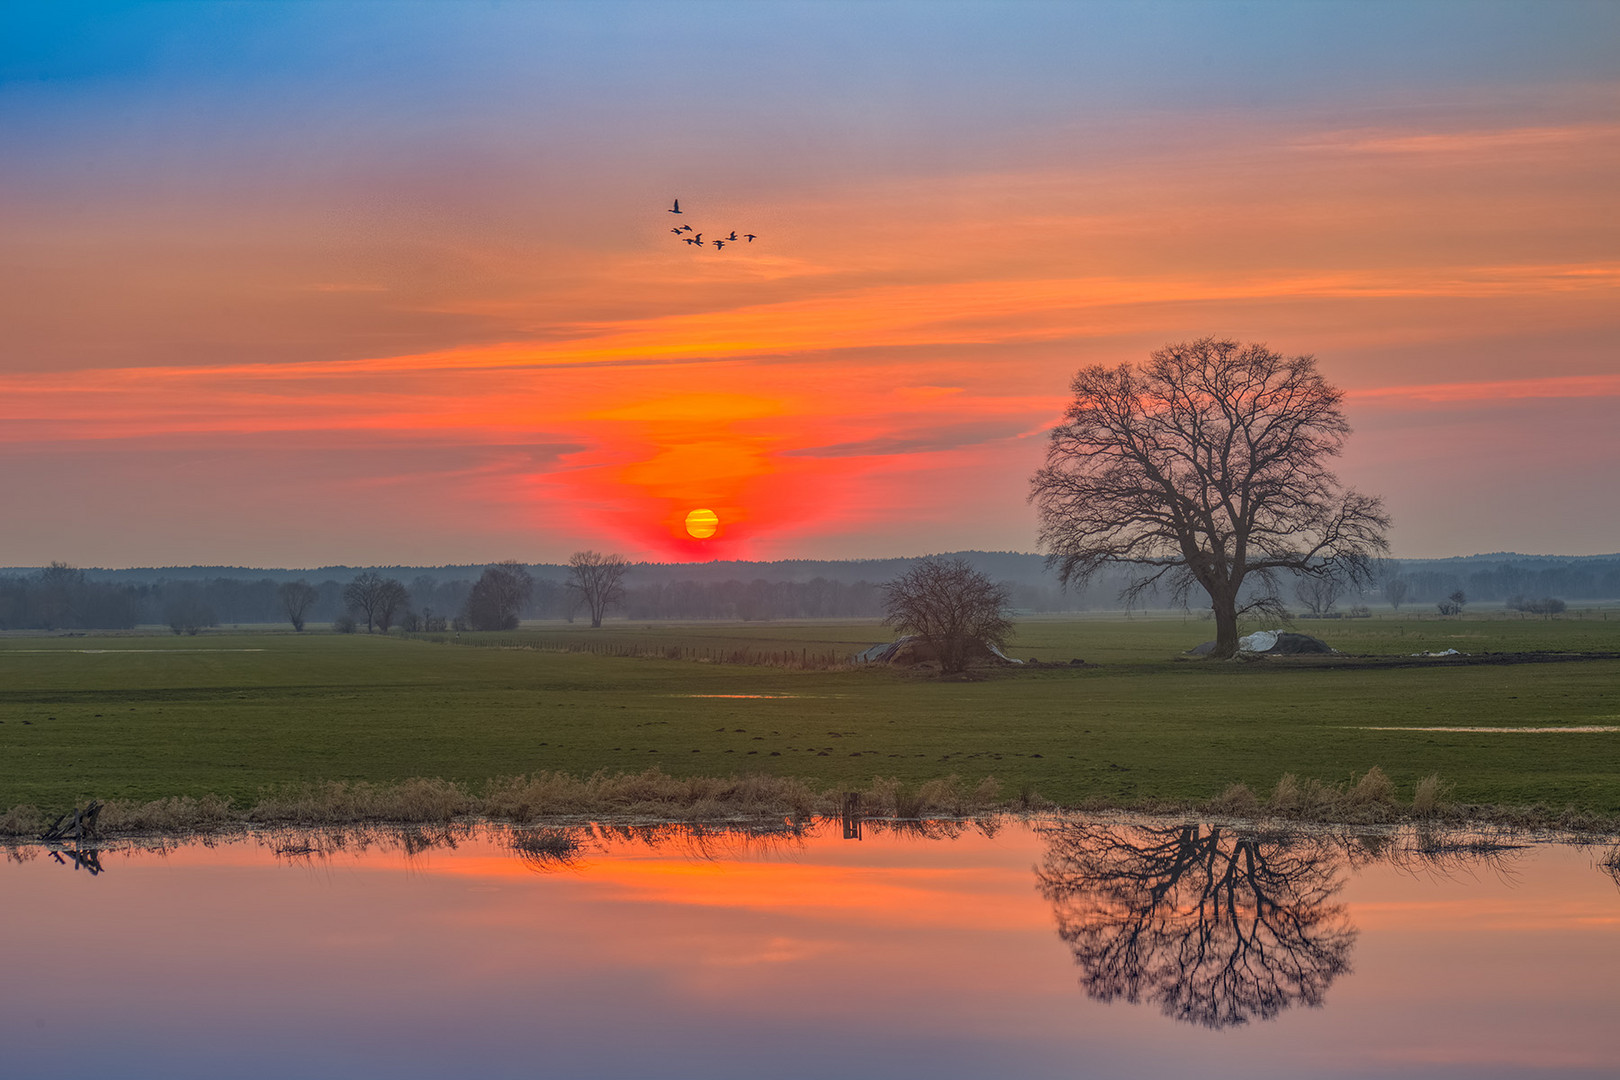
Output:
x=382 y=283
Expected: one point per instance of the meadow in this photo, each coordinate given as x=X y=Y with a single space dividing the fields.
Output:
x=233 y=713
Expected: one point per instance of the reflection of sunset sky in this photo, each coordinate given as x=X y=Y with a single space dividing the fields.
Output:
x=269 y=263
x=887 y=956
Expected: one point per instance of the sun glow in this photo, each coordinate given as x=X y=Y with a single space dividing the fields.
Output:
x=702 y=524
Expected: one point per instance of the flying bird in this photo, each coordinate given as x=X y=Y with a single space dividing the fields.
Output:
x=688 y=228
x=677 y=232
x=718 y=244
x=699 y=237
x=677 y=207
x=733 y=235
x=749 y=237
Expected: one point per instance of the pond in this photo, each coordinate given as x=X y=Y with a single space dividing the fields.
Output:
x=1058 y=947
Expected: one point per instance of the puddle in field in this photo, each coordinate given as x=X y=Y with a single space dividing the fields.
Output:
x=1587 y=729
x=1048 y=948
x=762 y=697
x=4 y=652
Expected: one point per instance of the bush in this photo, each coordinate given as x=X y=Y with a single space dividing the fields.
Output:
x=343 y=624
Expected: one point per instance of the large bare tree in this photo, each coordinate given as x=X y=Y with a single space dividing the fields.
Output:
x=1207 y=466
x=598 y=580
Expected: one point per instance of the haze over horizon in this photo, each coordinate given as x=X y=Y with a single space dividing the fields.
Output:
x=356 y=284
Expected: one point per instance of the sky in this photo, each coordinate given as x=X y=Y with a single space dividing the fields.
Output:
x=302 y=284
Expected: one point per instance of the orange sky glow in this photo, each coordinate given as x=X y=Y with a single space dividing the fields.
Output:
x=221 y=340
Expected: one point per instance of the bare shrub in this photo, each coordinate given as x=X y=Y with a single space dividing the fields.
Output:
x=951 y=606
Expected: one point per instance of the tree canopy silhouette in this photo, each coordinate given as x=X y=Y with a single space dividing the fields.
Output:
x=1207 y=466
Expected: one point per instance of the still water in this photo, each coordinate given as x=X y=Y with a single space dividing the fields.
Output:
x=1055 y=948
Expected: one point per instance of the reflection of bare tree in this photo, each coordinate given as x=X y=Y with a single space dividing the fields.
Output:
x=1216 y=927
x=1610 y=864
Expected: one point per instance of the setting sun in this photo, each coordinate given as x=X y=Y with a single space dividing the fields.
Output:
x=702 y=524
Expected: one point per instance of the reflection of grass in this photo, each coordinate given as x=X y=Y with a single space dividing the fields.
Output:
x=1136 y=727
x=546 y=849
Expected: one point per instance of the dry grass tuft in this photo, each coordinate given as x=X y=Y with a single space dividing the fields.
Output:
x=176 y=814
x=1373 y=792
x=336 y=802
x=1286 y=798
x=25 y=820
x=1235 y=801
x=1431 y=797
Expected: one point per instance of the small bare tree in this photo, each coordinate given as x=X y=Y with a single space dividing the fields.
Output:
x=392 y=598
x=1206 y=467
x=1319 y=594
x=296 y=600
x=1395 y=590
x=598 y=580
x=1453 y=604
x=951 y=606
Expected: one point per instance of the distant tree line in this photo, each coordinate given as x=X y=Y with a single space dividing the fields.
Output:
x=1504 y=582
x=61 y=597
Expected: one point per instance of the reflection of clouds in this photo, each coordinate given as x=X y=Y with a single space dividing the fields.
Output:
x=1216 y=927
x=773 y=950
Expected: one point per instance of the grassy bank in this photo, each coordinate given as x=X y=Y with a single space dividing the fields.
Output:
x=232 y=715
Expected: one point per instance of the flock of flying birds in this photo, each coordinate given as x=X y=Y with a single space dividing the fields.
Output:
x=696 y=238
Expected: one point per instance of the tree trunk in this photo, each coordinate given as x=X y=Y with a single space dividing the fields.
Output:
x=1226 y=629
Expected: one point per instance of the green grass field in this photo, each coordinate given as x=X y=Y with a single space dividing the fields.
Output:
x=145 y=716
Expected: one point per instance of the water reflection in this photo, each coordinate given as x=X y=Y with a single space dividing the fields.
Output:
x=789 y=951
x=1214 y=926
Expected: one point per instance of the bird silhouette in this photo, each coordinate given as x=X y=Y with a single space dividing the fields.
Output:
x=749 y=236
x=718 y=244
x=677 y=232
x=688 y=228
x=733 y=235
x=677 y=207
x=699 y=237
